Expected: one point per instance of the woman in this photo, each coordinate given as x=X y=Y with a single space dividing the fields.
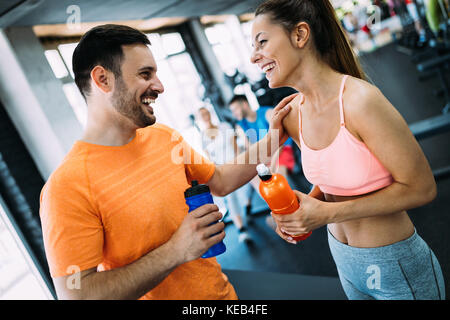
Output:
x=357 y=151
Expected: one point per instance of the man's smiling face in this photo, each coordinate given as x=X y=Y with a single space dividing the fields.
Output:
x=138 y=86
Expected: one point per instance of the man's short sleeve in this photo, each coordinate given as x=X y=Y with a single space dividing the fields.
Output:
x=72 y=229
x=197 y=167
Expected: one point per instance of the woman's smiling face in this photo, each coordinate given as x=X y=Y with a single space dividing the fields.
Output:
x=275 y=51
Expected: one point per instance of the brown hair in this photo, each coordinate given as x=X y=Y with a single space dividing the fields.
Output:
x=102 y=45
x=329 y=37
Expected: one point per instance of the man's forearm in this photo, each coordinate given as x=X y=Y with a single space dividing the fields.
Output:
x=131 y=281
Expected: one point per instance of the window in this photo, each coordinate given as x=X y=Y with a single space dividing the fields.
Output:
x=57 y=65
x=19 y=277
x=66 y=51
x=183 y=88
x=231 y=43
x=59 y=57
x=77 y=101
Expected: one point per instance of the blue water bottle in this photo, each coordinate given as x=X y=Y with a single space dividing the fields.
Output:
x=196 y=196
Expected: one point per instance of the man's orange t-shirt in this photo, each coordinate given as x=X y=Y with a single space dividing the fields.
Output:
x=107 y=206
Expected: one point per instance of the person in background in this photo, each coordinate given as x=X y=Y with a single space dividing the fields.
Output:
x=351 y=27
x=365 y=25
x=219 y=142
x=255 y=124
x=412 y=10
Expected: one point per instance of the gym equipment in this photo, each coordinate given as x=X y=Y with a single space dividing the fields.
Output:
x=430 y=127
x=433 y=14
x=440 y=64
x=431 y=61
x=263 y=285
x=441 y=123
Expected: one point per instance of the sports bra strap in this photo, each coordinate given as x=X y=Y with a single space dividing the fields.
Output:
x=341 y=102
x=302 y=100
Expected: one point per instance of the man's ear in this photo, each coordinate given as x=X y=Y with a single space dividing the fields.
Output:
x=102 y=79
x=301 y=34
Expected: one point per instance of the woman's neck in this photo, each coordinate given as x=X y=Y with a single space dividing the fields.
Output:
x=318 y=82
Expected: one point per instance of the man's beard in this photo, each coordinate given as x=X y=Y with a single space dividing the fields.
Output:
x=124 y=103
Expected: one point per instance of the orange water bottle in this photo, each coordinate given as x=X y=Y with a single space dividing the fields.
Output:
x=281 y=199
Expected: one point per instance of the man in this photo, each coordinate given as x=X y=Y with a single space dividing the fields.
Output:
x=113 y=214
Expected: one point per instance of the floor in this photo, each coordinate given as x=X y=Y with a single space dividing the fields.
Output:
x=396 y=76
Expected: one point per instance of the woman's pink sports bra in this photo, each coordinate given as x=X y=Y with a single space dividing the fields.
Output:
x=346 y=167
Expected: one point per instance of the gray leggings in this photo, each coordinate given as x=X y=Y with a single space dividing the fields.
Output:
x=406 y=270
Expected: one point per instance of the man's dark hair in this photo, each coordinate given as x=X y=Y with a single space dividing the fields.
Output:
x=238 y=98
x=102 y=46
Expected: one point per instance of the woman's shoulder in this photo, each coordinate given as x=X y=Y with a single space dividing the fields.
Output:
x=366 y=107
x=359 y=96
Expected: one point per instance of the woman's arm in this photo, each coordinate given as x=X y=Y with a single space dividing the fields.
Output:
x=388 y=137
x=242 y=169
x=370 y=116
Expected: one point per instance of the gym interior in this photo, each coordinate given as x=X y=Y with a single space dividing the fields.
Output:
x=203 y=50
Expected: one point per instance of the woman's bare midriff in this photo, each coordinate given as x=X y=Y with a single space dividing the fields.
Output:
x=371 y=232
